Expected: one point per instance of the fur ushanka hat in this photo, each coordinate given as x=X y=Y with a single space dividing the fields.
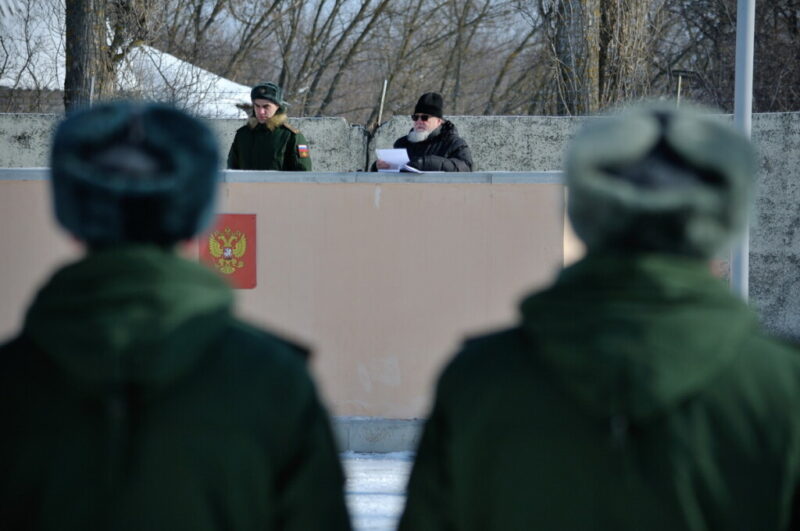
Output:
x=130 y=172
x=270 y=92
x=657 y=178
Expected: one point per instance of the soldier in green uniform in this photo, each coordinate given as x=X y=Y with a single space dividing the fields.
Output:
x=636 y=392
x=267 y=141
x=133 y=398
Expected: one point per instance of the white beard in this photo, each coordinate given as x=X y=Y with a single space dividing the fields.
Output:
x=418 y=136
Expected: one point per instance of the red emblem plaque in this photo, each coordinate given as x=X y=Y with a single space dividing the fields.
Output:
x=230 y=249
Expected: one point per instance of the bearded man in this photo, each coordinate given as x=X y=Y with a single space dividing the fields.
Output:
x=133 y=397
x=433 y=143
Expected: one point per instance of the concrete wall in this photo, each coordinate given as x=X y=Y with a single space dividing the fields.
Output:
x=335 y=145
x=25 y=139
x=775 y=226
x=507 y=143
x=535 y=143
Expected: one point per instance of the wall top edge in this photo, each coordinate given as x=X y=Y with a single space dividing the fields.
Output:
x=239 y=176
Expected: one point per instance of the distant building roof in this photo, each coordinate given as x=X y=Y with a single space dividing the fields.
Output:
x=34 y=58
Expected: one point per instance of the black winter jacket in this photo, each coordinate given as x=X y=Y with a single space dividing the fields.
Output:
x=444 y=150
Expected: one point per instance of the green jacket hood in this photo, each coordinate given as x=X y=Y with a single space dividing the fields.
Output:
x=631 y=336
x=130 y=314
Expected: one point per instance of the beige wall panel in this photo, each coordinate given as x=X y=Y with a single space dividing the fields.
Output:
x=383 y=280
x=32 y=245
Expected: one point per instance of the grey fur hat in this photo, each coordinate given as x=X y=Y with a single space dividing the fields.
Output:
x=657 y=178
x=131 y=172
x=270 y=92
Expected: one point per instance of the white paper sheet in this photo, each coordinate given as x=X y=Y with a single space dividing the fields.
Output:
x=397 y=159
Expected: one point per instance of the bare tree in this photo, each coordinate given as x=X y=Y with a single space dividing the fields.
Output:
x=9 y=7
x=99 y=36
x=505 y=71
x=27 y=78
x=601 y=50
x=80 y=53
x=258 y=21
x=488 y=56
x=188 y=28
x=706 y=56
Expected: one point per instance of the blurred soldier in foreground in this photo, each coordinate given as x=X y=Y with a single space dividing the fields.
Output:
x=132 y=398
x=433 y=144
x=636 y=392
x=267 y=141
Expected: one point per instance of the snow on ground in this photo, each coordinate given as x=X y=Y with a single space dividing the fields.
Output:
x=375 y=488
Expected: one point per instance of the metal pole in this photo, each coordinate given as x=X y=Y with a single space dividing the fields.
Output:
x=742 y=118
x=383 y=99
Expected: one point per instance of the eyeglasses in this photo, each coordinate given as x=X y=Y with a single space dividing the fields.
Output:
x=423 y=117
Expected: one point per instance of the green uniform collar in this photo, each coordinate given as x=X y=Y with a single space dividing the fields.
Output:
x=129 y=314
x=633 y=335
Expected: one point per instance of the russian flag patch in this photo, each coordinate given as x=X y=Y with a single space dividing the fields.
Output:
x=302 y=151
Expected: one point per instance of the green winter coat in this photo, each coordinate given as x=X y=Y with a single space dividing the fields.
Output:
x=133 y=400
x=274 y=145
x=637 y=393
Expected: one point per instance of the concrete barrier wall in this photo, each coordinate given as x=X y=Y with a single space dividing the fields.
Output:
x=508 y=143
x=498 y=143
x=25 y=139
x=775 y=226
x=336 y=146
x=535 y=143
x=381 y=276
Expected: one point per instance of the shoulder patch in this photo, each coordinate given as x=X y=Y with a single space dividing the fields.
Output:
x=302 y=151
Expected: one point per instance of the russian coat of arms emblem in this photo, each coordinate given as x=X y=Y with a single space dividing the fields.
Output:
x=227 y=247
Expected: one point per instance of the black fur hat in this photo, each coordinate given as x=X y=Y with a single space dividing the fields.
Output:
x=430 y=103
x=129 y=172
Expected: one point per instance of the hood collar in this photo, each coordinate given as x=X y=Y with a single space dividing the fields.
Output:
x=137 y=314
x=632 y=336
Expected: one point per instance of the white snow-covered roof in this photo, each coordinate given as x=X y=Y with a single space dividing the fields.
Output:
x=157 y=73
x=32 y=57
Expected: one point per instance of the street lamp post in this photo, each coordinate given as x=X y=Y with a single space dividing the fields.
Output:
x=743 y=108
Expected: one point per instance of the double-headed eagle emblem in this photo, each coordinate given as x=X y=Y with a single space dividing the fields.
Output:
x=227 y=247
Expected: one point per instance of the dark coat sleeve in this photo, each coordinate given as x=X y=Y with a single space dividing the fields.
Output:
x=429 y=504
x=455 y=156
x=312 y=472
x=233 y=155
